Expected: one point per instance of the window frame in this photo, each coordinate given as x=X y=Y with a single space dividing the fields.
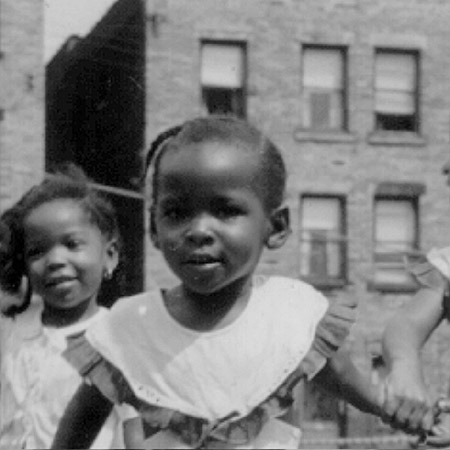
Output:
x=416 y=116
x=392 y=262
x=342 y=51
x=238 y=96
x=327 y=281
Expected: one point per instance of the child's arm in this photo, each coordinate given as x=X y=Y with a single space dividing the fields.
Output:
x=406 y=402
x=342 y=378
x=83 y=418
x=133 y=433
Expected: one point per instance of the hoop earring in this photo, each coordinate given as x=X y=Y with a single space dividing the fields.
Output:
x=107 y=274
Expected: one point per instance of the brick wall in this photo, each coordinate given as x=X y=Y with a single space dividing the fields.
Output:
x=21 y=97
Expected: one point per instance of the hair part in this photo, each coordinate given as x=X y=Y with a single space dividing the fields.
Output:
x=230 y=130
x=68 y=183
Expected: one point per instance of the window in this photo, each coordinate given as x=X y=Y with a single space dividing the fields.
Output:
x=223 y=78
x=396 y=237
x=396 y=90
x=324 y=96
x=323 y=243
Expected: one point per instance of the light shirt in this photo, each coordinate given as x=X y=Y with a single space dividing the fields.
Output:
x=36 y=383
x=215 y=374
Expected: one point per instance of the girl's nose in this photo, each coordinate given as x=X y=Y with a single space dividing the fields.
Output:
x=55 y=258
x=200 y=231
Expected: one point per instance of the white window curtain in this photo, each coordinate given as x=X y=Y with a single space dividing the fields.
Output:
x=395 y=227
x=321 y=231
x=395 y=83
x=323 y=89
x=323 y=68
x=222 y=66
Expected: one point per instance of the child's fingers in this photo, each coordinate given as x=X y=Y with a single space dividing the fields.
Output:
x=390 y=402
x=441 y=441
x=413 y=416
x=409 y=414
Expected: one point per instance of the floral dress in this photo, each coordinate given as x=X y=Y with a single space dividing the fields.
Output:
x=225 y=388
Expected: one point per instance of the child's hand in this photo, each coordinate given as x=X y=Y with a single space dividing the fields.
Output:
x=405 y=402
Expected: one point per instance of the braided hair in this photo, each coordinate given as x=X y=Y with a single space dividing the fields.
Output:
x=69 y=182
x=227 y=129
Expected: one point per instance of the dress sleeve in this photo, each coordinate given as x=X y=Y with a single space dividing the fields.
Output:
x=429 y=271
x=433 y=271
x=331 y=332
x=96 y=370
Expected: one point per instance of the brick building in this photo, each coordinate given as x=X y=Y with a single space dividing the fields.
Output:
x=21 y=97
x=354 y=92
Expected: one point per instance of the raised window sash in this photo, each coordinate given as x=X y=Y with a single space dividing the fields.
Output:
x=395 y=240
x=322 y=242
x=222 y=66
x=396 y=91
x=222 y=78
x=323 y=89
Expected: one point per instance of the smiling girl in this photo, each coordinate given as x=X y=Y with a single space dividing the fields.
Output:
x=58 y=243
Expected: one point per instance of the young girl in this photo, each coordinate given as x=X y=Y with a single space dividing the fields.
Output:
x=57 y=244
x=213 y=362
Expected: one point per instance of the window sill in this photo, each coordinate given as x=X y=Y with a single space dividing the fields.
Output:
x=323 y=136
x=325 y=283
x=396 y=138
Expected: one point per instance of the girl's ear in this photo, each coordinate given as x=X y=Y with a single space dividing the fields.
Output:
x=112 y=256
x=279 y=228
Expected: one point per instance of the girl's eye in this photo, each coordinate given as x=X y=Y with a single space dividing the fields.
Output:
x=228 y=211
x=34 y=252
x=73 y=244
x=174 y=213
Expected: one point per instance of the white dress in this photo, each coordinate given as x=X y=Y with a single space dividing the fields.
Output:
x=220 y=389
x=36 y=382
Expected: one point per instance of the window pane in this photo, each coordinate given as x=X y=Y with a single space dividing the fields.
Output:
x=323 y=110
x=222 y=66
x=396 y=90
x=223 y=101
x=323 y=89
x=395 y=237
x=395 y=225
x=394 y=102
x=321 y=213
x=395 y=71
x=323 y=68
x=322 y=244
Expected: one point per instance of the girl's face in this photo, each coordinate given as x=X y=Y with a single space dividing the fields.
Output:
x=210 y=222
x=66 y=255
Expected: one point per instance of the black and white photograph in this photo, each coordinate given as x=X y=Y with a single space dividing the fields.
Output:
x=155 y=296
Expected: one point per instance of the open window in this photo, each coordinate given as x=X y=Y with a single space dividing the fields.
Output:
x=324 y=96
x=396 y=239
x=396 y=90
x=323 y=240
x=223 y=78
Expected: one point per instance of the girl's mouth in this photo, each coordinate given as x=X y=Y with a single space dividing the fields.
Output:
x=202 y=260
x=58 y=282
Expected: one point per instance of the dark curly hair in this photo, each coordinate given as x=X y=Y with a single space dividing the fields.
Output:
x=226 y=129
x=69 y=182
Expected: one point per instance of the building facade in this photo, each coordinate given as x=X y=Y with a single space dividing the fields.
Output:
x=354 y=92
x=21 y=97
